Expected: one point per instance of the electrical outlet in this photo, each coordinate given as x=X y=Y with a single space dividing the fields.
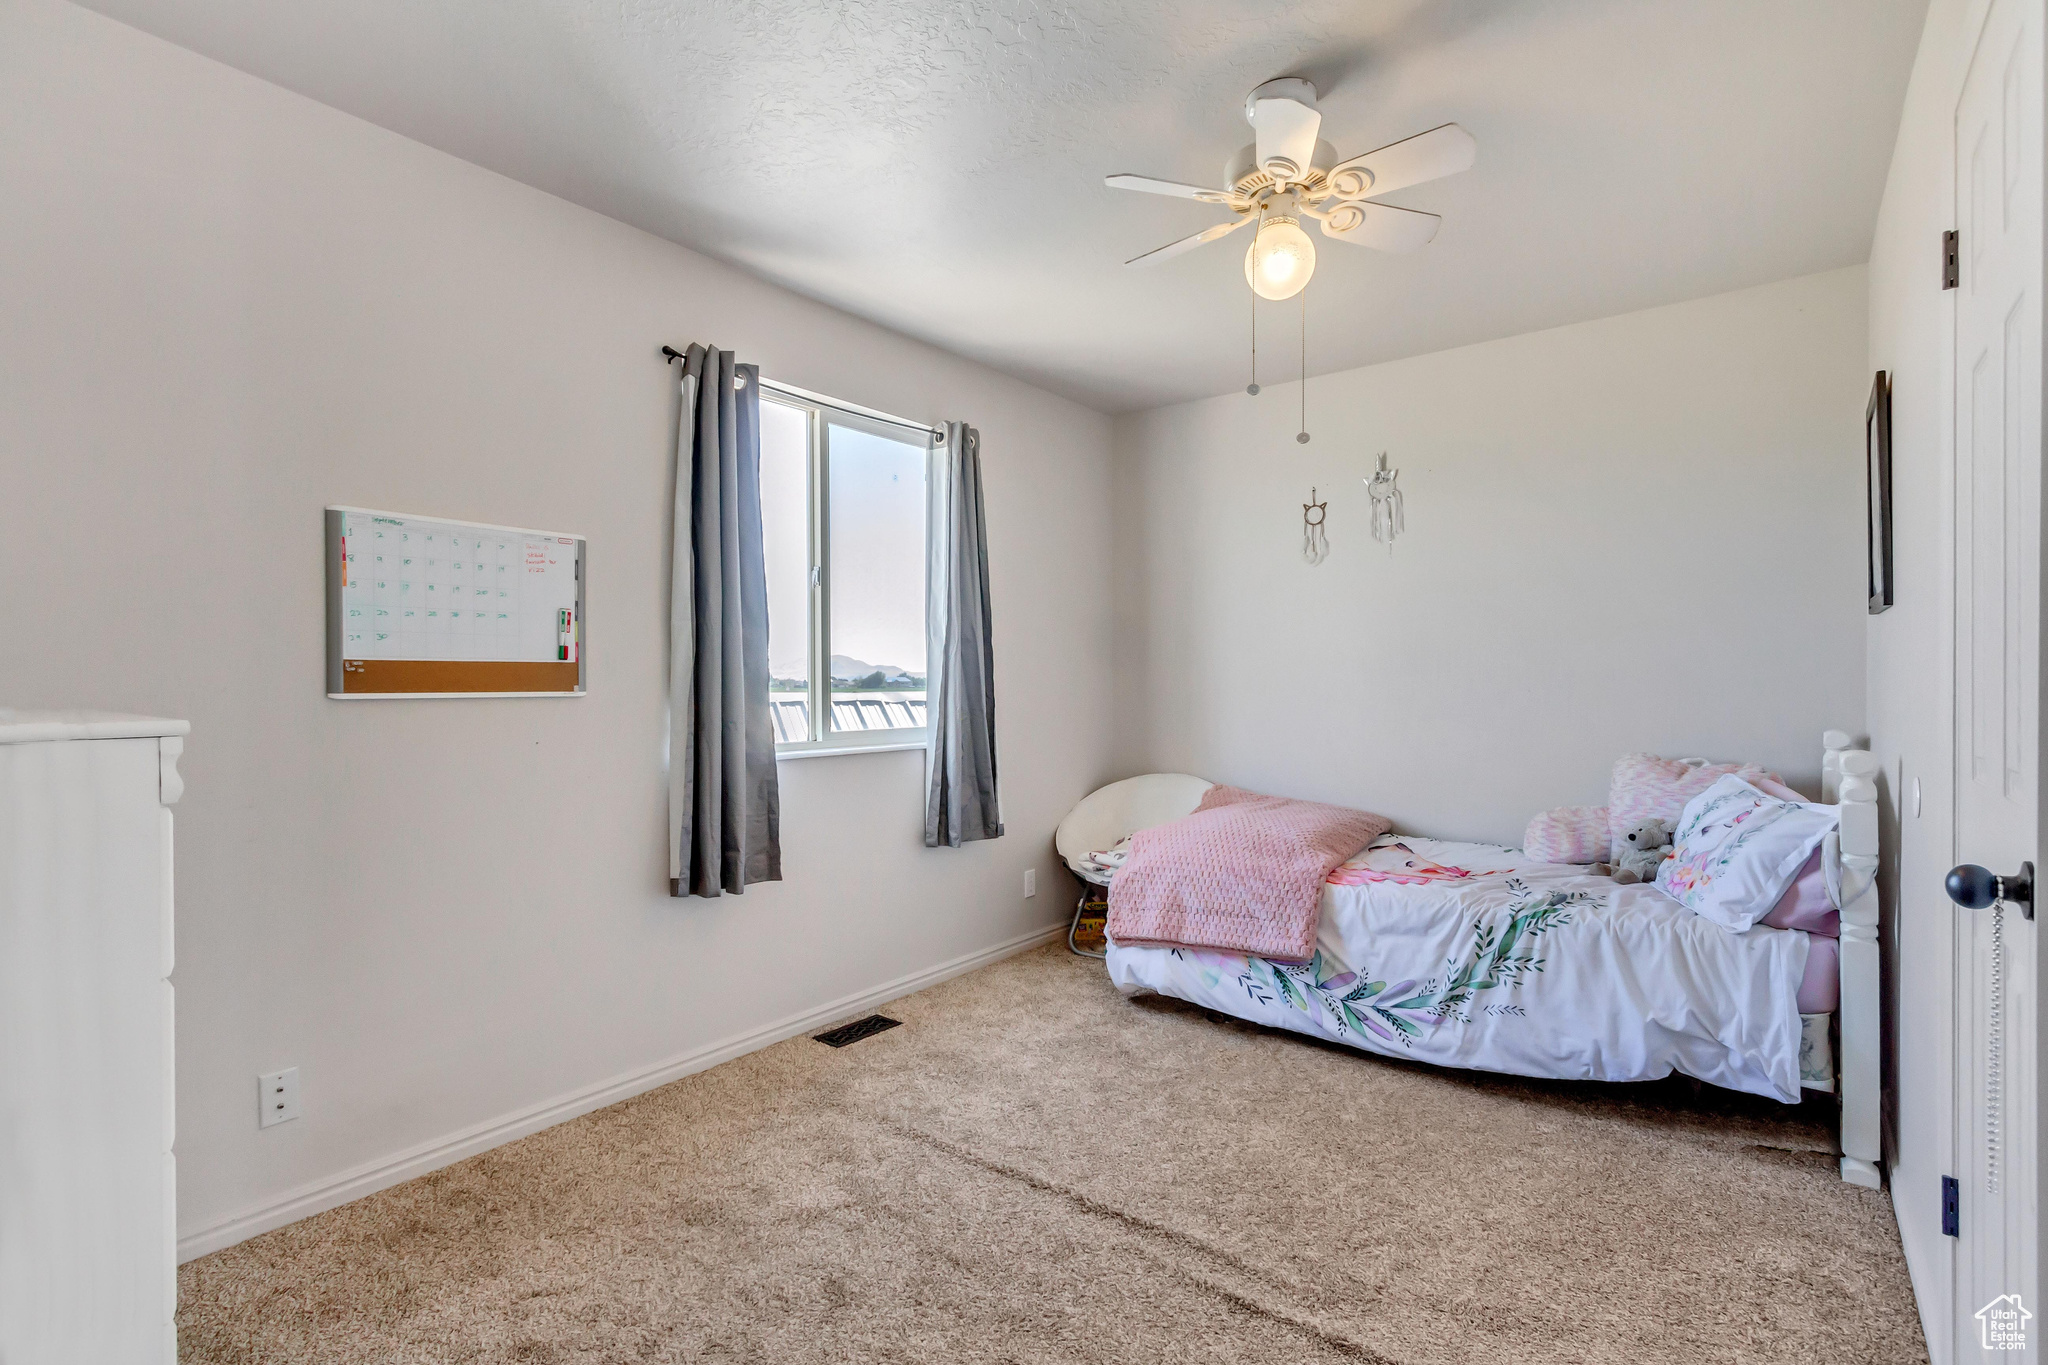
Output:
x=1030 y=882
x=278 y=1096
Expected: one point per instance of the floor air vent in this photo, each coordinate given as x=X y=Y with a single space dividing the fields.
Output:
x=857 y=1030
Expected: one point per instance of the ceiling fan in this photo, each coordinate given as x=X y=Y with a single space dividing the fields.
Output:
x=1288 y=174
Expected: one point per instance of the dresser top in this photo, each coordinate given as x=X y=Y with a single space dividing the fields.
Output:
x=29 y=727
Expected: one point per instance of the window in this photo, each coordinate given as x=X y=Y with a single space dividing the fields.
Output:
x=843 y=528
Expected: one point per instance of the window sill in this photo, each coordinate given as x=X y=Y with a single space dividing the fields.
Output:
x=784 y=754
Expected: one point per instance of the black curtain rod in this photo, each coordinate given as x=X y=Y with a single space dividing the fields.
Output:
x=937 y=433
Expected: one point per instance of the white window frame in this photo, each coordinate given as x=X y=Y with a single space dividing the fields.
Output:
x=822 y=414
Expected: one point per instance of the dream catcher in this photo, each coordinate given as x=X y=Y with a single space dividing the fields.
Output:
x=1385 y=491
x=1314 y=544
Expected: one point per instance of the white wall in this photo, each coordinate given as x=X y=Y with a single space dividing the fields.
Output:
x=1641 y=533
x=223 y=306
x=1910 y=658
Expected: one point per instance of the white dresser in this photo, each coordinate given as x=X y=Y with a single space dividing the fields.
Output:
x=88 y=1185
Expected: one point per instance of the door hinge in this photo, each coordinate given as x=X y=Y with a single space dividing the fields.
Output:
x=1951 y=260
x=1951 y=1207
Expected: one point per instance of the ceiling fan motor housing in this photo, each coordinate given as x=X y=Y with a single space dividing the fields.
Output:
x=1285 y=113
x=1244 y=174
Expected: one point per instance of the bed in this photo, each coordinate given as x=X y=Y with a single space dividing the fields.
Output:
x=1472 y=955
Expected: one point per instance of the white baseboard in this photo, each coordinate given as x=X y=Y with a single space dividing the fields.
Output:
x=321 y=1195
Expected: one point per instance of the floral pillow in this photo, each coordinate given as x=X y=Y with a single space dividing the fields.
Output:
x=1737 y=849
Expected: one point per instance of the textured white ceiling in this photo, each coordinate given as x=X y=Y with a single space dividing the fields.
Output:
x=937 y=166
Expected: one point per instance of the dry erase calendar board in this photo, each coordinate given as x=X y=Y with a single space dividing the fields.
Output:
x=425 y=607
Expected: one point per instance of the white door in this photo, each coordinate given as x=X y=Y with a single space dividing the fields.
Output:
x=1998 y=351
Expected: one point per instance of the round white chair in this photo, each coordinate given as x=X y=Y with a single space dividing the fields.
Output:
x=1106 y=817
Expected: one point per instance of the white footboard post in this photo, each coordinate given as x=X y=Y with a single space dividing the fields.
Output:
x=1859 y=1018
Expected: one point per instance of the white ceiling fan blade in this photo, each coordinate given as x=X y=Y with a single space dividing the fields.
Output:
x=1172 y=187
x=1381 y=226
x=1426 y=156
x=1285 y=127
x=1159 y=254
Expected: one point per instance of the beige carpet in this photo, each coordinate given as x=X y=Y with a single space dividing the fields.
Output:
x=1036 y=1169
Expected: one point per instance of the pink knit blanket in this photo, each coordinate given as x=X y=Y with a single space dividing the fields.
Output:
x=1243 y=874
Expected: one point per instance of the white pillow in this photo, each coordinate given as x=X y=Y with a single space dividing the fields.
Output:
x=1737 y=849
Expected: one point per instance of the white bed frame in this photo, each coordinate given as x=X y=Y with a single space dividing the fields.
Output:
x=1848 y=779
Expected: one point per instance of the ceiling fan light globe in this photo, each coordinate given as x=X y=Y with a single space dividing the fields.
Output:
x=1280 y=260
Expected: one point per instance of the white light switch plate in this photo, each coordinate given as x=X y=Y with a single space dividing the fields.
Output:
x=278 y=1096
x=1030 y=881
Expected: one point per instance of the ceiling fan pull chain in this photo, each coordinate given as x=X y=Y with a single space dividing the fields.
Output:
x=1253 y=387
x=1301 y=436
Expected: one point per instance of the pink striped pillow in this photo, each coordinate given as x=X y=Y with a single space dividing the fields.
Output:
x=1568 y=834
x=1646 y=787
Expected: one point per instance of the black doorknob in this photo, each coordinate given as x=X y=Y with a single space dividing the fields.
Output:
x=1977 y=888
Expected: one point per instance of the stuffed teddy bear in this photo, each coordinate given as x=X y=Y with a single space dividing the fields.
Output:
x=1648 y=845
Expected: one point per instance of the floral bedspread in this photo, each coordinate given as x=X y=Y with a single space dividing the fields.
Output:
x=1465 y=955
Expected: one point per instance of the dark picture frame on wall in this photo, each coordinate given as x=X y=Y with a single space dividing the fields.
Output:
x=1877 y=451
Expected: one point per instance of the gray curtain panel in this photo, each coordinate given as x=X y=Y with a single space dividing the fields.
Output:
x=960 y=664
x=724 y=808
